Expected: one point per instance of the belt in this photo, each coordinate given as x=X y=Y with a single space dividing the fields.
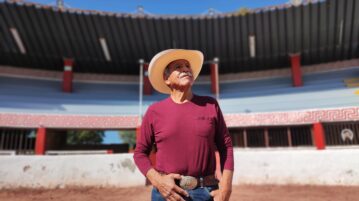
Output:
x=189 y=182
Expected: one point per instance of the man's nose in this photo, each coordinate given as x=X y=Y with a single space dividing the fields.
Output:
x=185 y=68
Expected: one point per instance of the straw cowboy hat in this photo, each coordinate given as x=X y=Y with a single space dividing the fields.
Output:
x=161 y=60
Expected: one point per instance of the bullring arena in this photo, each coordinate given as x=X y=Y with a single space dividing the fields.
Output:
x=286 y=78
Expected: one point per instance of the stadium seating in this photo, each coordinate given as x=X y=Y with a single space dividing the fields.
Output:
x=320 y=90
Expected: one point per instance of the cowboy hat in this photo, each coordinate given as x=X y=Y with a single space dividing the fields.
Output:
x=161 y=60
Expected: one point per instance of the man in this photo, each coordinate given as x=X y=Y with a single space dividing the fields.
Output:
x=187 y=129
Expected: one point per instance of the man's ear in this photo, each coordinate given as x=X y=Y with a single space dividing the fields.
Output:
x=167 y=82
x=165 y=78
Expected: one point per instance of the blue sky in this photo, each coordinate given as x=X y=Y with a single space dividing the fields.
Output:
x=165 y=6
x=111 y=137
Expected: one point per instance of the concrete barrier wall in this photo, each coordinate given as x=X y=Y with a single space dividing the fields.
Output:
x=328 y=167
x=107 y=170
x=307 y=167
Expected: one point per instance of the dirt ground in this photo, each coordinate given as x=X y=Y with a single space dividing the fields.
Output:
x=240 y=193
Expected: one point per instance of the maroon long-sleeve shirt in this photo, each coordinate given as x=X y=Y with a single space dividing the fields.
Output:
x=186 y=136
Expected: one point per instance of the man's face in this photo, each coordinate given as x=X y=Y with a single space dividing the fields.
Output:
x=178 y=74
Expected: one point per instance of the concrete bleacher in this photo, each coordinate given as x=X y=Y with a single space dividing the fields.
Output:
x=320 y=90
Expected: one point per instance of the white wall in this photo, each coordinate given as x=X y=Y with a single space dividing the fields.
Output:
x=69 y=170
x=312 y=167
x=328 y=167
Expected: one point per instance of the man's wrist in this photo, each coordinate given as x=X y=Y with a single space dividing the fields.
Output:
x=225 y=189
x=154 y=177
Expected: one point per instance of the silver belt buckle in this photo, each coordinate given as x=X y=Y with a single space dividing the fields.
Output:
x=188 y=182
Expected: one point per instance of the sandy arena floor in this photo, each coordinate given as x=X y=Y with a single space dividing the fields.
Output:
x=240 y=193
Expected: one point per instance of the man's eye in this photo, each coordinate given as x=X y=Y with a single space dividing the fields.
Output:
x=177 y=67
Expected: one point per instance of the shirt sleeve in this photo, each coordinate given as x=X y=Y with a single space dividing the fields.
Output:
x=223 y=141
x=144 y=144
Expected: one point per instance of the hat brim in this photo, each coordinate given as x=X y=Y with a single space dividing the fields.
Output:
x=161 y=60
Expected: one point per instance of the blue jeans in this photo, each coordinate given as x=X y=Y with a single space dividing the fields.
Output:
x=197 y=194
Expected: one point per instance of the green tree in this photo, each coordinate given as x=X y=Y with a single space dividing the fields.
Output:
x=243 y=11
x=129 y=137
x=85 y=137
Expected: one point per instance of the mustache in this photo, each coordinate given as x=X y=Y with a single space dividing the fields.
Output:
x=185 y=74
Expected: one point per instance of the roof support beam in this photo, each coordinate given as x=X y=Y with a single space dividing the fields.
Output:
x=319 y=135
x=147 y=87
x=252 y=46
x=17 y=38
x=105 y=49
x=296 y=70
x=40 y=144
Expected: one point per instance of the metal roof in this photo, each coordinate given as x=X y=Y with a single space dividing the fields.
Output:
x=323 y=31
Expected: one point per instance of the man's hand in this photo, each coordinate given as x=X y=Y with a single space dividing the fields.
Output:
x=166 y=185
x=221 y=194
x=217 y=196
x=225 y=187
